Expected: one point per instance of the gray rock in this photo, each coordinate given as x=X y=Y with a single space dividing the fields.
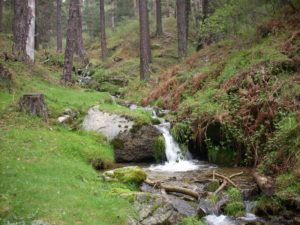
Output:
x=136 y=145
x=64 y=119
x=154 y=210
x=110 y=125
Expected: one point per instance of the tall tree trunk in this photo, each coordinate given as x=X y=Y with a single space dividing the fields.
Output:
x=1 y=15
x=71 y=41
x=113 y=15
x=159 y=29
x=204 y=9
x=58 y=26
x=104 y=50
x=24 y=29
x=136 y=7
x=79 y=43
x=187 y=17
x=145 y=51
x=181 y=28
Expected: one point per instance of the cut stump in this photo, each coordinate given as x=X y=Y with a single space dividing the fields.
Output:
x=34 y=104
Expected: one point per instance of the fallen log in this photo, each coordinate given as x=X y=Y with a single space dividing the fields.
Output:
x=175 y=189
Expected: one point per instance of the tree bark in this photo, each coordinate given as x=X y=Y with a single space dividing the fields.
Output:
x=58 y=25
x=1 y=15
x=159 y=28
x=187 y=17
x=24 y=29
x=145 y=51
x=204 y=9
x=113 y=15
x=79 y=43
x=71 y=42
x=181 y=7
x=104 y=50
x=34 y=104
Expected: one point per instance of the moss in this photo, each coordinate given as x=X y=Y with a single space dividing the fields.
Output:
x=159 y=149
x=235 y=207
x=287 y=186
x=212 y=186
x=124 y=193
x=268 y=206
x=132 y=174
x=191 y=221
x=221 y=156
x=117 y=143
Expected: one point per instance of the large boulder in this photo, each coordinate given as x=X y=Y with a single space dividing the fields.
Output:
x=154 y=209
x=108 y=124
x=136 y=145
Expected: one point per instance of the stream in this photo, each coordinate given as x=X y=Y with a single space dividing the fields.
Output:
x=181 y=170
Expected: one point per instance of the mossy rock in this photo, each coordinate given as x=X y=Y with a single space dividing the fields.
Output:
x=191 y=221
x=235 y=206
x=159 y=149
x=212 y=186
x=124 y=193
x=268 y=206
x=235 y=209
x=131 y=174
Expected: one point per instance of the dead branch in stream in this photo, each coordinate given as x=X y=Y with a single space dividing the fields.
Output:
x=226 y=180
x=181 y=190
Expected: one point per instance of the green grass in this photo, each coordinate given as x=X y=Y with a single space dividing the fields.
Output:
x=45 y=169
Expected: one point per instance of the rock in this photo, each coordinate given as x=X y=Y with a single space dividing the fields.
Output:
x=297 y=220
x=131 y=174
x=154 y=209
x=64 y=119
x=34 y=104
x=137 y=145
x=110 y=125
x=206 y=208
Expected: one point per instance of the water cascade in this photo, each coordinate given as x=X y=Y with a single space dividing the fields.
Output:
x=176 y=161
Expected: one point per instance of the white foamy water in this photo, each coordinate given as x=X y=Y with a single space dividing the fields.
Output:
x=218 y=220
x=177 y=162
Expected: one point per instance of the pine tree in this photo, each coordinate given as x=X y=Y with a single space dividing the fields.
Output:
x=104 y=50
x=71 y=41
x=182 y=29
x=24 y=29
x=145 y=51
x=58 y=26
x=159 y=28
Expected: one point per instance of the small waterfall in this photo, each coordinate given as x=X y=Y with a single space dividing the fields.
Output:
x=177 y=162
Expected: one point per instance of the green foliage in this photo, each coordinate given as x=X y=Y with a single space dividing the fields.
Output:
x=220 y=154
x=287 y=186
x=181 y=132
x=235 y=207
x=191 y=221
x=266 y=206
x=287 y=135
x=213 y=198
x=159 y=149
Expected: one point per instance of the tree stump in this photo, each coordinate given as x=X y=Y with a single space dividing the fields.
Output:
x=34 y=104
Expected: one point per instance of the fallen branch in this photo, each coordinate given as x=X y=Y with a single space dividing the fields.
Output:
x=227 y=179
x=185 y=191
x=224 y=184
